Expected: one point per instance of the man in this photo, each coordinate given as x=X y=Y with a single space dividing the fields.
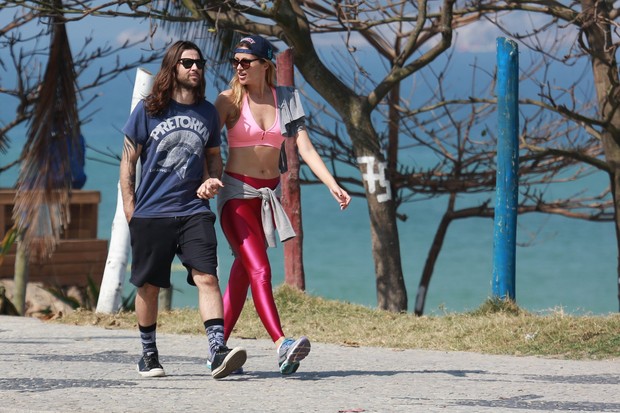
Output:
x=175 y=133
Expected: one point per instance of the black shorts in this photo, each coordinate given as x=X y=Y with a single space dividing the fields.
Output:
x=155 y=241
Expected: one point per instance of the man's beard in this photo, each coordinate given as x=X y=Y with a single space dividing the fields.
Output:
x=188 y=84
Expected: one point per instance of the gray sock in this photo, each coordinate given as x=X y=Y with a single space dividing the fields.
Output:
x=215 y=334
x=148 y=337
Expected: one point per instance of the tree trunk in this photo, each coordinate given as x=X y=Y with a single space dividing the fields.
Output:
x=291 y=193
x=431 y=258
x=606 y=83
x=20 y=277
x=391 y=290
x=111 y=288
x=165 y=299
x=614 y=153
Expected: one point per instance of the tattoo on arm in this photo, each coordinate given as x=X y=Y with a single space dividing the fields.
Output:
x=129 y=149
x=128 y=175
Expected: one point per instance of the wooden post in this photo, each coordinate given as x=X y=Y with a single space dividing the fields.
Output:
x=165 y=299
x=291 y=193
x=507 y=184
x=21 y=277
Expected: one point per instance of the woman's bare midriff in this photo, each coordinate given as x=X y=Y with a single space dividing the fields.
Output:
x=254 y=161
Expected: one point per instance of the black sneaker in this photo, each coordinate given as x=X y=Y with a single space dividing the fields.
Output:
x=226 y=361
x=149 y=366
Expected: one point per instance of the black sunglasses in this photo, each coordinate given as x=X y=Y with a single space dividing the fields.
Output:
x=245 y=63
x=188 y=63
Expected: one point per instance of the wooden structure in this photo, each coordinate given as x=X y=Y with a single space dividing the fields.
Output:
x=78 y=256
x=294 y=274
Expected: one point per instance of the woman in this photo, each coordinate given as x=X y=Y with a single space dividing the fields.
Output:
x=256 y=131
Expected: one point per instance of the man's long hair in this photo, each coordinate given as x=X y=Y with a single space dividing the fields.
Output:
x=166 y=79
x=238 y=90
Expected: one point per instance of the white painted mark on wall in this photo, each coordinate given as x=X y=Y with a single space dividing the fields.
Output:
x=375 y=172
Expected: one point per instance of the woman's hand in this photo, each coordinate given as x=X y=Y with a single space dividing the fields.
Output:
x=341 y=196
x=209 y=188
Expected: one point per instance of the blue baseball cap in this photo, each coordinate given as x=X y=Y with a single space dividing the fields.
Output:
x=257 y=46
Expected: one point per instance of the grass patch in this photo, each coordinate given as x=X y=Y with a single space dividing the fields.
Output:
x=497 y=327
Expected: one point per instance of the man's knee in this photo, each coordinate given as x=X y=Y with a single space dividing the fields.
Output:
x=206 y=281
x=148 y=291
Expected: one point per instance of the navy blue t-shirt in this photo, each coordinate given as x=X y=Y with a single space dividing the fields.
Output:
x=172 y=158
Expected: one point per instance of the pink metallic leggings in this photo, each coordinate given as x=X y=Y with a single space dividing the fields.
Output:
x=241 y=223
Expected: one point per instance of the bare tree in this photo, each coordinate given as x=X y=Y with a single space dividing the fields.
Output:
x=26 y=55
x=459 y=135
x=595 y=45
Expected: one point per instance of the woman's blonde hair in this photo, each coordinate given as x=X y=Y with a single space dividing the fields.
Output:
x=238 y=90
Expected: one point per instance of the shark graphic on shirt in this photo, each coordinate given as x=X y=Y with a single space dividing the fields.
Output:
x=179 y=147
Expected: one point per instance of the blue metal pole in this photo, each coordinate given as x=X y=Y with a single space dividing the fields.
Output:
x=507 y=185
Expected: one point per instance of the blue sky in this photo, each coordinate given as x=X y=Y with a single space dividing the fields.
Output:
x=476 y=41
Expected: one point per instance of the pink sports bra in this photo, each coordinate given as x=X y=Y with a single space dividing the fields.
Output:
x=246 y=131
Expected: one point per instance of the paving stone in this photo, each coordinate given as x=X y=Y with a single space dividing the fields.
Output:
x=48 y=367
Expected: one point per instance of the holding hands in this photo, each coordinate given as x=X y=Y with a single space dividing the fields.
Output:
x=209 y=188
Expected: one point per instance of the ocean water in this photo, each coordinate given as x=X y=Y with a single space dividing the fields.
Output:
x=561 y=263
